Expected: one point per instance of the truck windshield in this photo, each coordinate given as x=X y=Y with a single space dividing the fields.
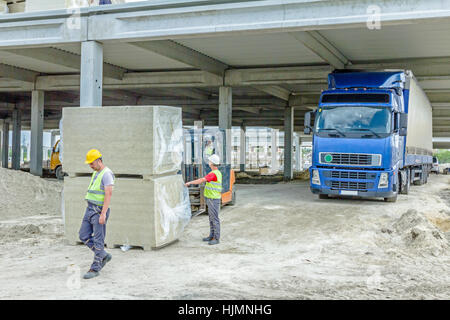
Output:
x=354 y=121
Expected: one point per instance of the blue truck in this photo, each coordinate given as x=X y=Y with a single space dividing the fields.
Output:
x=372 y=135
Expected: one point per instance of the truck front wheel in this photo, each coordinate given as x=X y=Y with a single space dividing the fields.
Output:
x=405 y=185
x=323 y=196
x=391 y=199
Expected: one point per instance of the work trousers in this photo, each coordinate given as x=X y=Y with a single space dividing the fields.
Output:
x=92 y=233
x=213 y=213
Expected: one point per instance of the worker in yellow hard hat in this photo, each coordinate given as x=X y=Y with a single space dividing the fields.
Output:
x=98 y=197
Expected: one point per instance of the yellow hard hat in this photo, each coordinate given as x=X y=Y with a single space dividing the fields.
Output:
x=92 y=155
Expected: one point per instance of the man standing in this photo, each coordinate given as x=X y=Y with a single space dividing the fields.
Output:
x=98 y=197
x=213 y=195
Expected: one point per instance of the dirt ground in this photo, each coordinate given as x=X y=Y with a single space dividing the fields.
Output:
x=278 y=242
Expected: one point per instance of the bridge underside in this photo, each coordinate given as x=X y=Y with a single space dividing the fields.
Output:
x=271 y=58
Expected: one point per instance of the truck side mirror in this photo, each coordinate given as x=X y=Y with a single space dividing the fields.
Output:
x=307 y=123
x=403 y=129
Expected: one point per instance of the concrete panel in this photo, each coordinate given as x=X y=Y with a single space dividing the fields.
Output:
x=133 y=140
x=147 y=213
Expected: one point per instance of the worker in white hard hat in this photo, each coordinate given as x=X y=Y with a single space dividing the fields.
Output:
x=213 y=195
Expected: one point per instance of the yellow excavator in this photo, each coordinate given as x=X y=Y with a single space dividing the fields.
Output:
x=55 y=163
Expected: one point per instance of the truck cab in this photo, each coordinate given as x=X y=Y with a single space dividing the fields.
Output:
x=359 y=136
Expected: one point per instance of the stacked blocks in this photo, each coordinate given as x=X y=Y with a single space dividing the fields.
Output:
x=143 y=147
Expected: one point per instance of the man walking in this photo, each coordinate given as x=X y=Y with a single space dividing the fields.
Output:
x=213 y=195
x=98 y=197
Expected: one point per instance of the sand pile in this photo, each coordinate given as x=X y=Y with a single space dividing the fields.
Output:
x=242 y=175
x=22 y=194
x=418 y=233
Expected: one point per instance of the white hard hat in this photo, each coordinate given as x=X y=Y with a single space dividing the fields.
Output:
x=214 y=159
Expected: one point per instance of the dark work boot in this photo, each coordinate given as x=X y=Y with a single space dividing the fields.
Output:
x=213 y=241
x=91 y=274
x=207 y=239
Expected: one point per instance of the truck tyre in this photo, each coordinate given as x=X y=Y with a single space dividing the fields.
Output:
x=59 y=173
x=323 y=196
x=420 y=181
x=406 y=185
x=391 y=199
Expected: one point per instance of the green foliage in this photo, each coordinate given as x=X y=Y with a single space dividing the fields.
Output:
x=443 y=156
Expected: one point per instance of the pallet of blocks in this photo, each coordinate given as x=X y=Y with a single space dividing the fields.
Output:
x=143 y=146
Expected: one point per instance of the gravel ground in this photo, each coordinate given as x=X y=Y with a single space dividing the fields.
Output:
x=278 y=242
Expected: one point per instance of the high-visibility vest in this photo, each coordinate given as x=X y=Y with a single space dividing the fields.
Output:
x=95 y=194
x=213 y=189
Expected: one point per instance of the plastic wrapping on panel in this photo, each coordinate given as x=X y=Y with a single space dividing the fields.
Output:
x=168 y=141
x=173 y=209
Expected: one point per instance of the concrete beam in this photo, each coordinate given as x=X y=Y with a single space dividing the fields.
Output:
x=65 y=59
x=180 y=53
x=191 y=93
x=91 y=77
x=37 y=126
x=322 y=47
x=10 y=72
x=276 y=75
x=275 y=91
x=138 y=80
x=257 y=17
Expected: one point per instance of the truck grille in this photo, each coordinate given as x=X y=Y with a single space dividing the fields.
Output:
x=352 y=175
x=349 y=185
x=350 y=159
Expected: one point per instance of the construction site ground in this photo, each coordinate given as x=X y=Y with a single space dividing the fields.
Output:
x=278 y=242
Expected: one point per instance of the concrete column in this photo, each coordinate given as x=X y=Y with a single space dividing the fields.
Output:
x=52 y=139
x=300 y=154
x=16 y=130
x=5 y=144
x=198 y=143
x=91 y=75
x=225 y=116
x=37 y=131
x=297 y=152
x=288 y=140
x=274 y=150
x=243 y=149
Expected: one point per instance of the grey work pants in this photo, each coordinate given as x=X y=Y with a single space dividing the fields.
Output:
x=92 y=233
x=213 y=213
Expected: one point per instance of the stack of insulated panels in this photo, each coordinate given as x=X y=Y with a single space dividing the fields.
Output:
x=143 y=146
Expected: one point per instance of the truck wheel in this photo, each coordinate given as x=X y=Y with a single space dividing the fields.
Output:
x=59 y=173
x=420 y=181
x=407 y=183
x=391 y=199
x=323 y=196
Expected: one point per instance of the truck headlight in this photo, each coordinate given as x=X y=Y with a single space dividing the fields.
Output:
x=384 y=180
x=315 y=177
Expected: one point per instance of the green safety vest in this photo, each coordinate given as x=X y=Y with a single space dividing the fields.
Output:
x=213 y=189
x=95 y=194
